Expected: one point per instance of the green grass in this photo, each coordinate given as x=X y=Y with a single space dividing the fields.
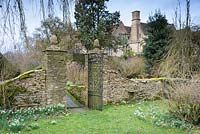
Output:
x=112 y=120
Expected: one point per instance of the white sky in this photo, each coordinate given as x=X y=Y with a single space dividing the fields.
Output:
x=125 y=7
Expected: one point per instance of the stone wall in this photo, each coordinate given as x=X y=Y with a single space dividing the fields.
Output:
x=114 y=85
x=117 y=88
x=34 y=83
x=47 y=87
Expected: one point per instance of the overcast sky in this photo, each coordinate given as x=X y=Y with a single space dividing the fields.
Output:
x=146 y=7
x=125 y=7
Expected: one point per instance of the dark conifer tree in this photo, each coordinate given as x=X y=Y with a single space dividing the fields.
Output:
x=95 y=22
x=158 y=39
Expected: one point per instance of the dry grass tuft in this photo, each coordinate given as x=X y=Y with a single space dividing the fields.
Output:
x=130 y=68
x=185 y=102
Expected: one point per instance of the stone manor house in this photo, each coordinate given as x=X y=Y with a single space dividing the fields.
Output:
x=134 y=33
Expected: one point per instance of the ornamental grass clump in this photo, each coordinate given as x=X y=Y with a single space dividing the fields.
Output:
x=185 y=103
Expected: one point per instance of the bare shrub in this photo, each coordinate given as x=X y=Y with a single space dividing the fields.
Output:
x=7 y=69
x=131 y=67
x=26 y=59
x=76 y=73
x=185 y=102
x=8 y=93
x=183 y=56
x=182 y=59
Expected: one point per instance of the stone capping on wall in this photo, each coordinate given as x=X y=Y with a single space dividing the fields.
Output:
x=57 y=50
x=165 y=79
x=63 y=51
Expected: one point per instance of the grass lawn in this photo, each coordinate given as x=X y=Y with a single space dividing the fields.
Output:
x=112 y=120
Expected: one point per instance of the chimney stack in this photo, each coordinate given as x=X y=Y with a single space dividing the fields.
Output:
x=136 y=15
x=135 y=27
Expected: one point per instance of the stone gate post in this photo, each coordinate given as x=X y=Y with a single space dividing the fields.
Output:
x=95 y=78
x=55 y=64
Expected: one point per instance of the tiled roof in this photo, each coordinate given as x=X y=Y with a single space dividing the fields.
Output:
x=144 y=27
x=128 y=29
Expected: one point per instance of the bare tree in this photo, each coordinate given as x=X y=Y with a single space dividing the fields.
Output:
x=188 y=18
x=13 y=13
x=182 y=59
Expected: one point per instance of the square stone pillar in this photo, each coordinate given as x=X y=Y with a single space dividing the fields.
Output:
x=56 y=76
x=95 y=80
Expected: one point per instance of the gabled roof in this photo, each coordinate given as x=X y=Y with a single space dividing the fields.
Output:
x=122 y=29
x=128 y=29
x=144 y=27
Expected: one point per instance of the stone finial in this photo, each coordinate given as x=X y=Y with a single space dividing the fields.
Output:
x=53 y=40
x=96 y=43
x=53 y=43
x=96 y=47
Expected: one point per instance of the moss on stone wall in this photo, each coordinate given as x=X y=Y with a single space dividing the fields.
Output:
x=20 y=77
x=154 y=79
x=77 y=88
x=8 y=94
x=77 y=92
x=19 y=90
x=24 y=76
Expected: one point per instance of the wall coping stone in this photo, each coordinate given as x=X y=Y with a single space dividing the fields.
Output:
x=163 y=79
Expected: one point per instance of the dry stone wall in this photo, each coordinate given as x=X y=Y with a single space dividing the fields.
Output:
x=47 y=87
x=114 y=86
x=117 y=88
x=34 y=82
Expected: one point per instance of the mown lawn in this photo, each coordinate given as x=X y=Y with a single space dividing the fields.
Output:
x=112 y=120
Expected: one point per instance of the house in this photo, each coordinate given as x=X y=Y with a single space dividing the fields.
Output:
x=135 y=33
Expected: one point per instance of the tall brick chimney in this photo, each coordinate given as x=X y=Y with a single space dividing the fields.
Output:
x=135 y=27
